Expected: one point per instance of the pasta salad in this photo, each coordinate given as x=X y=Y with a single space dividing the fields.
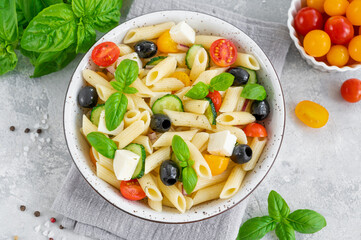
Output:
x=173 y=115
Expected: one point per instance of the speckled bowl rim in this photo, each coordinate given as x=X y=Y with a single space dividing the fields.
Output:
x=236 y=203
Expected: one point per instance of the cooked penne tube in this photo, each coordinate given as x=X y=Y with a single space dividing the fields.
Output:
x=131 y=116
x=230 y=100
x=155 y=205
x=233 y=182
x=257 y=145
x=235 y=118
x=143 y=90
x=189 y=202
x=188 y=119
x=247 y=61
x=196 y=106
x=182 y=92
x=161 y=70
x=206 y=40
x=200 y=139
x=149 y=32
x=208 y=193
x=206 y=76
x=167 y=84
x=166 y=138
x=129 y=134
x=239 y=133
x=145 y=141
x=205 y=182
x=174 y=195
x=155 y=160
x=104 y=92
x=141 y=104
x=108 y=176
x=167 y=203
x=150 y=187
x=95 y=79
x=124 y=49
x=88 y=126
x=106 y=162
x=200 y=164
x=200 y=64
x=180 y=57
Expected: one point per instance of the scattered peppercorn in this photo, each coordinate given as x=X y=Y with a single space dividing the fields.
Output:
x=26 y=130
x=38 y=131
x=51 y=238
x=53 y=220
x=36 y=213
x=61 y=227
x=22 y=208
x=12 y=128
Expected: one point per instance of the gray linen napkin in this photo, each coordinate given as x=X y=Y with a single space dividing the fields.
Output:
x=89 y=214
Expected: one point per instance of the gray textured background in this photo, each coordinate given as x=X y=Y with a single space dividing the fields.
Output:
x=316 y=168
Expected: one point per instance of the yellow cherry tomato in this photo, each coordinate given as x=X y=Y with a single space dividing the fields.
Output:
x=166 y=44
x=312 y=114
x=354 y=48
x=338 y=56
x=217 y=164
x=317 y=43
x=335 y=7
x=182 y=76
x=316 y=4
x=353 y=13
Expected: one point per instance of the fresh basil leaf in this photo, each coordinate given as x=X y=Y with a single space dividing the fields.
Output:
x=284 y=231
x=115 y=108
x=52 y=30
x=306 y=221
x=107 y=15
x=130 y=90
x=30 y=54
x=254 y=91
x=256 y=228
x=183 y=164
x=190 y=162
x=117 y=86
x=180 y=149
x=8 y=58
x=83 y=8
x=222 y=82
x=85 y=36
x=198 y=91
x=277 y=206
x=104 y=145
x=31 y=8
x=22 y=22
x=190 y=179
x=48 y=62
x=8 y=21
x=127 y=72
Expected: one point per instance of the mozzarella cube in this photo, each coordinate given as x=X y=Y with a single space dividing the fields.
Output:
x=131 y=56
x=102 y=127
x=124 y=164
x=221 y=143
x=182 y=33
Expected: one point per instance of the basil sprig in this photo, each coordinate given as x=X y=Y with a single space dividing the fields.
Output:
x=254 y=91
x=181 y=151
x=104 y=145
x=116 y=105
x=220 y=82
x=280 y=220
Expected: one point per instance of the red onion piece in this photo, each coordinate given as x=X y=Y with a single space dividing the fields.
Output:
x=245 y=105
x=182 y=47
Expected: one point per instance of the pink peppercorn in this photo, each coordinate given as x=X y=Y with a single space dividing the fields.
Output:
x=53 y=220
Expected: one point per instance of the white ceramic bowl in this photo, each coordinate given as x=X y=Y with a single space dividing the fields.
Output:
x=296 y=5
x=204 y=24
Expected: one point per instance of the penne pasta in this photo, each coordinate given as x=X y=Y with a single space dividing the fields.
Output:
x=235 y=118
x=155 y=205
x=239 y=133
x=180 y=57
x=200 y=139
x=188 y=119
x=131 y=116
x=88 y=126
x=129 y=134
x=166 y=138
x=257 y=145
x=106 y=162
x=174 y=195
x=161 y=70
x=149 y=32
x=108 y=176
x=167 y=85
x=95 y=79
x=104 y=92
x=124 y=49
x=206 y=40
x=200 y=164
x=145 y=141
x=150 y=187
x=233 y=182
x=196 y=106
x=143 y=90
x=230 y=100
x=247 y=61
x=200 y=64
x=155 y=160
x=208 y=193
x=205 y=182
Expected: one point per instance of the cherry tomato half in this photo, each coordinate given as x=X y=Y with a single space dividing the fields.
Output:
x=255 y=130
x=353 y=13
x=351 y=90
x=335 y=7
x=223 y=52
x=316 y=4
x=354 y=48
x=311 y=114
x=105 y=54
x=216 y=98
x=317 y=43
x=308 y=19
x=217 y=164
x=339 y=29
x=131 y=190
x=166 y=44
x=338 y=56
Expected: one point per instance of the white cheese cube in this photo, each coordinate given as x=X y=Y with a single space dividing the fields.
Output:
x=221 y=143
x=124 y=164
x=182 y=33
x=102 y=127
x=132 y=56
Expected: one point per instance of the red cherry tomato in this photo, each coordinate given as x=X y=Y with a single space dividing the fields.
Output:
x=223 y=52
x=131 y=190
x=255 y=130
x=308 y=19
x=216 y=98
x=339 y=29
x=351 y=90
x=105 y=54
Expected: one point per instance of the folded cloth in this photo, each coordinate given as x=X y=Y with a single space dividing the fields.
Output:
x=89 y=214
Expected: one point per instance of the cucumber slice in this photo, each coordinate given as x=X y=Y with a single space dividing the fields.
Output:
x=191 y=54
x=252 y=75
x=170 y=102
x=139 y=150
x=155 y=60
x=95 y=114
x=211 y=113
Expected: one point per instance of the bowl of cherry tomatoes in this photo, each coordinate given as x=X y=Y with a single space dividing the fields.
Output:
x=327 y=33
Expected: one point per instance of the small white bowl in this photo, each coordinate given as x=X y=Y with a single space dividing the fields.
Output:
x=296 y=5
x=275 y=123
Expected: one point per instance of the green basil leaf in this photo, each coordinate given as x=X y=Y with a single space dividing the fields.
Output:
x=30 y=54
x=48 y=62
x=8 y=58
x=127 y=72
x=52 y=30
x=277 y=206
x=254 y=91
x=183 y=164
x=130 y=90
x=222 y=82
x=256 y=228
x=22 y=22
x=107 y=15
x=8 y=21
x=284 y=231
x=190 y=179
x=85 y=37
x=307 y=221
x=31 y=8
x=115 y=108
x=117 y=86
x=180 y=149
x=83 y=8
x=104 y=145
x=198 y=91
x=190 y=162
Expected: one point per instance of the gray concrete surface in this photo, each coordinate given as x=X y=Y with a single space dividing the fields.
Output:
x=317 y=168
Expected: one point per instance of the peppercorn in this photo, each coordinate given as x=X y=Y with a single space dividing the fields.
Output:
x=53 y=220
x=36 y=213
x=26 y=130
x=38 y=131
x=61 y=227
x=22 y=208
x=12 y=128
